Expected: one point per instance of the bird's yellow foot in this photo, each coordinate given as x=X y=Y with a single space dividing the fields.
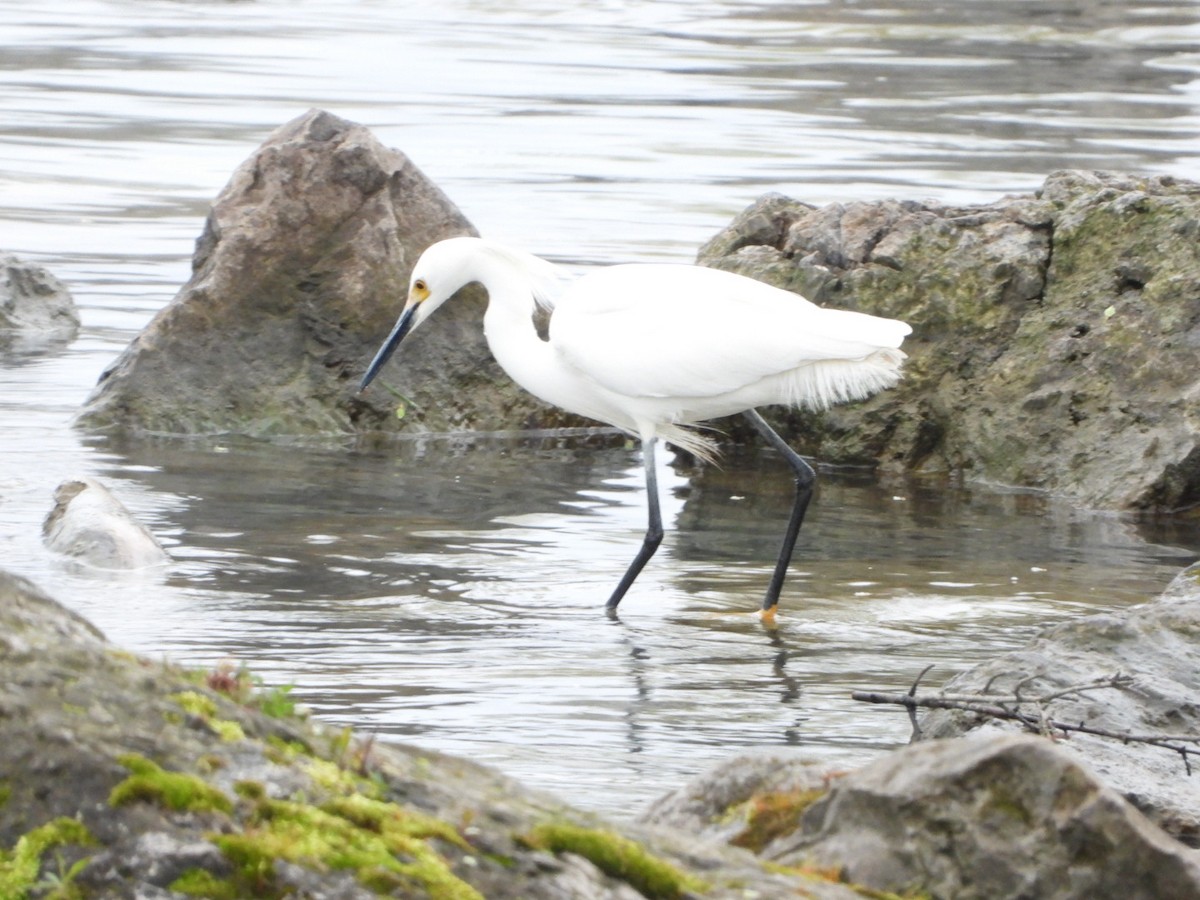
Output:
x=768 y=616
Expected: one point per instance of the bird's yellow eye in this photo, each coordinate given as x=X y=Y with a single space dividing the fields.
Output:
x=420 y=285
x=420 y=290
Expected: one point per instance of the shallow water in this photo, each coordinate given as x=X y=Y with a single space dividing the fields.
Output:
x=448 y=591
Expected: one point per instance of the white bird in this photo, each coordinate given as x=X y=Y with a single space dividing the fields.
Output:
x=655 y=348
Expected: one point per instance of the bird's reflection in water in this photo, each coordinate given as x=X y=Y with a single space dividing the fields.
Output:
x=640 y=664
x=789 y=694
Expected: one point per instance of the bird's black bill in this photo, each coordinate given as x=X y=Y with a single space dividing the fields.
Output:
x=403 y=325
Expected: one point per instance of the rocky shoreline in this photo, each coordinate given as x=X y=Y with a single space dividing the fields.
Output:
x=125 y=778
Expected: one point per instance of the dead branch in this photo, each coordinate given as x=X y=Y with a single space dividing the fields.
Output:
x=1031 y=712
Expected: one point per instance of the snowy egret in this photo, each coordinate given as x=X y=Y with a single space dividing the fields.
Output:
x=655 y=348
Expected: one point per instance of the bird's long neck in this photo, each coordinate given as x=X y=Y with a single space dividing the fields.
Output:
x=509 y=324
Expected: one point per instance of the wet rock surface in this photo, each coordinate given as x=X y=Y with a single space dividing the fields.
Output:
x=1055 y=336
x=129 y=778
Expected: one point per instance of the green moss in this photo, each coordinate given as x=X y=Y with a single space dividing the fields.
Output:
x=279 y=750
x=336 y=780
x=388 y=818
x=202 y=883
x=341 y=744
x=616 y=856
x=196 y=704
x=211 y=762
x=247 y=690
x=5 y=792
x=173 y=790
x=1008 y=805
x=228 y=730
x=20 y=866
x=276 y=702
x=772 y=815
x=203 y=706
x=384 y=845
x=250 y=790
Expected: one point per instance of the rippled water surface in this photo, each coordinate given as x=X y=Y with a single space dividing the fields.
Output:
x=448 y=592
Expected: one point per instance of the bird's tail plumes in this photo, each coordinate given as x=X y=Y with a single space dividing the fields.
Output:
x=823 y=383
x=699 y=445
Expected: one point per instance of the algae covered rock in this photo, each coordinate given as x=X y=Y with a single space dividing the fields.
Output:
x=124 y=778
x=299 y=274
x=1055 y=336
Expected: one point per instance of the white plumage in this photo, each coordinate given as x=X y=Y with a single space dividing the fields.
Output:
x=653 y=349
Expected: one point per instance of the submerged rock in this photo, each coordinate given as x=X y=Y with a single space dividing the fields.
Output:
x=35 y=307
x=128 y=778
x=300 y=273
x=92 y=525
x=1055 y=336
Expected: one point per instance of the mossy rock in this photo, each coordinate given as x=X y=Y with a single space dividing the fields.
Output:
x=1054 y=338
x=145 y=791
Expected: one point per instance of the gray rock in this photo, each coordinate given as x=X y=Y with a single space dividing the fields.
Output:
x=90 y=524
x=299 y=275
x=1156 y=645
x=1055 y=336
x=156 y=858
x=989 y=818
x=721 y=804
x=36 y=309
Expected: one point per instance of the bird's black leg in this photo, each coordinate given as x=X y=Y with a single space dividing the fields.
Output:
x=805 y=477
x=654 y=533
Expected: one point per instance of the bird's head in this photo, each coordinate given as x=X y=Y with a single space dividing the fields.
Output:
x=438 y=274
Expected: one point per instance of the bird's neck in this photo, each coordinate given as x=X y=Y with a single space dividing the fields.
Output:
x=511 y=324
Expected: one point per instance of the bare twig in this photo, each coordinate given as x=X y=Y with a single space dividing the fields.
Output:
x=1016 y=708
x=912 y=710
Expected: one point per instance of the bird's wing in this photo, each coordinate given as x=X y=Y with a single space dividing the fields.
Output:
x=689 y=331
